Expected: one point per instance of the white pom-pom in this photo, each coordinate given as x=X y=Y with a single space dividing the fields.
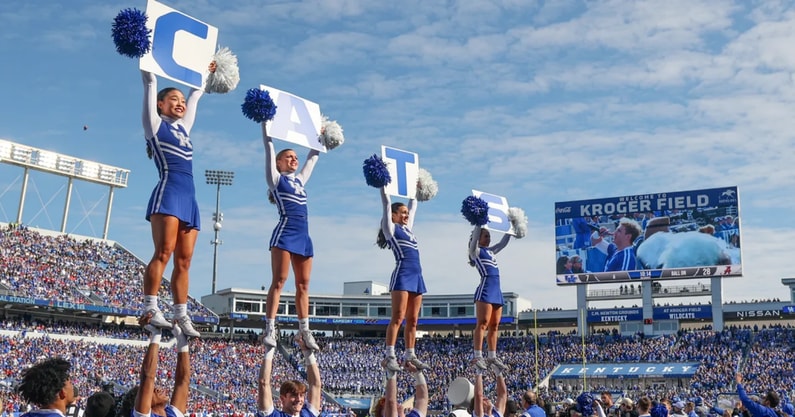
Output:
x=331 y=133
x=519 y=221
x=226 y=75
x=426 y=185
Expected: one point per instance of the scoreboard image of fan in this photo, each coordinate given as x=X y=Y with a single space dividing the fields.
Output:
x=668 y=235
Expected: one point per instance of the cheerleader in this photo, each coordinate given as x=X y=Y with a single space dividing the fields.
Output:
x=290 y=243
x=406 y=285
x=488 y=296
x=172 y=210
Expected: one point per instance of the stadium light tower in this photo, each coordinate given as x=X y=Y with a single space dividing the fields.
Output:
x=217 y=178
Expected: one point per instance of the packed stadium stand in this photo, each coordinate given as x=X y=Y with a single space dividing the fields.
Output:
x=82 y=271
x=88 y=276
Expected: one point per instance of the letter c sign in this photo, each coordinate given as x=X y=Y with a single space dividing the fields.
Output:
x=182 y=46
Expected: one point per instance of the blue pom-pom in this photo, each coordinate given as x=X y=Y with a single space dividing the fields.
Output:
x=659 y=410
x=130 y=34
x=475 y=210
x=375 y=172
x=585 y=404
x=258 y=105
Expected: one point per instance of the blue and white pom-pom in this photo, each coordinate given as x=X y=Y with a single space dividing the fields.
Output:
x=258 y=105
x=375 y=172
x=518 y=221
x=426 y=185
x=130 y=34
x=475 y=210
x=585 y=404
x=331 y=133
x=226 y=75
x=659 y=410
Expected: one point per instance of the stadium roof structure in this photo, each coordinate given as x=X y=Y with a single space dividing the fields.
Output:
x=72 y=167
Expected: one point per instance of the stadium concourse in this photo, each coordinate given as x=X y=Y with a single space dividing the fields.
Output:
x=103 y=281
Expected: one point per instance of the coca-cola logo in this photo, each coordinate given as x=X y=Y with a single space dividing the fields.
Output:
x=560 y=210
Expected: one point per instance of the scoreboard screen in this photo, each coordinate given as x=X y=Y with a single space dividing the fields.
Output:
x=669 y=235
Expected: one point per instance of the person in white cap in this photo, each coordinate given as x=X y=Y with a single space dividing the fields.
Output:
x=678 y=409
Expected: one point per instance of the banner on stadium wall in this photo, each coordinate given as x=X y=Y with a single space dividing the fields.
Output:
x=356 y=403
x=626 y=370
x=67 y=305
x=668 y=235
x=754 y=314
x=615 y=315
x=682 y=312
x=383 y=322
x=788 y=309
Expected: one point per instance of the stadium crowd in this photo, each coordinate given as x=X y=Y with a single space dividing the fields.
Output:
x=61 y=267
x=225 y=370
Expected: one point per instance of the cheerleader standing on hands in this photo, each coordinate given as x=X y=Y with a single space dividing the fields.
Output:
x=488 y=296
x=406 y=285
x=290 y=242
x=172 y=210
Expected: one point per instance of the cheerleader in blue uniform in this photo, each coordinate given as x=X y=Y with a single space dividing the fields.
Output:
x=172 y=210
x=290 y=242
x=488 y=296
x=406 y=284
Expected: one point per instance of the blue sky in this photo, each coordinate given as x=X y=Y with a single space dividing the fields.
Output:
x=536 y=101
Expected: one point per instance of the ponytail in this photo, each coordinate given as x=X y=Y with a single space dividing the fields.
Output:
x=380 y=240
x=469 y=258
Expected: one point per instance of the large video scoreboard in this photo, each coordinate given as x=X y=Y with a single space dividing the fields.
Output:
x=669 y=235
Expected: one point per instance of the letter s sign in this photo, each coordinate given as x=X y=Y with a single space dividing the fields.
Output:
x=182 y=47
x=498 y=212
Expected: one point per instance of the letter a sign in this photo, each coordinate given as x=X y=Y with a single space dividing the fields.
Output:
x=297 y=120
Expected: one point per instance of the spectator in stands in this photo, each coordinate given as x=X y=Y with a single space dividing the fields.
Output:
x=644 y=407
x=626 y=408
x=149 y=398
x=100 y=404
x=765 y=409
x=576 y=265
x=690 y=409
x=678 y=409
x=530 y=405
x=624 y=258
x=607 y=403
x=293 y=394
x=563 y=265
x=47 y=385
